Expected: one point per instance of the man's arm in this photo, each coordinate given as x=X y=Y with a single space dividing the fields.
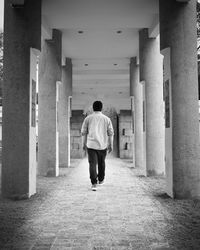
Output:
x=110 y=132
x=84 y=141
x=110 y=143
x=84 y=132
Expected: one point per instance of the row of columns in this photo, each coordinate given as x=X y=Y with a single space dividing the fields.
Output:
x=21 y=53
x=146 y=85
x=179 y=157
x=55 y=89
x=22 y=29
x=19 y=101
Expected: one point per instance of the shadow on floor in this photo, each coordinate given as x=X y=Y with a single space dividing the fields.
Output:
x=127 y=212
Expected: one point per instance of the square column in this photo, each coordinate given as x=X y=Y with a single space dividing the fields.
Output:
x=65 y=93
x=151 y=71
x=136 y=92
x=49 y=81
x=22 y=33
x=133 y=129
x=69 y=131
x=178 y=35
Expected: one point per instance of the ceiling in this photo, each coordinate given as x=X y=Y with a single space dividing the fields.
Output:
x=100 y=36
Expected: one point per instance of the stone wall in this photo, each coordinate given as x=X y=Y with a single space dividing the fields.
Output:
x=75 y=134
x=125 y=135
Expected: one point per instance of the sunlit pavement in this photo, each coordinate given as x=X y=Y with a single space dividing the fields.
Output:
x=128 y=211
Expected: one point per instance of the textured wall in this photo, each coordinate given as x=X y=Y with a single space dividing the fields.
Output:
x=65 y=90
x=125 y=135
x=136 y=92
x=151 y=71
x=22 y=31
x=75 y=135
x=49 y=74
x=179 y=33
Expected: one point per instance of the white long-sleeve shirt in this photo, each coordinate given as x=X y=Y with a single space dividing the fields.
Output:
x=97 y=127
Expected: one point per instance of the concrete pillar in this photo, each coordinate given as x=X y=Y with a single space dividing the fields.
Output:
x=144 y=126
x=22 y=36
x=136 y=91
x=65 y=93
x=133 y=129
x=69 y=130
x=151 y=71
x=178 y=33
x=49 y=77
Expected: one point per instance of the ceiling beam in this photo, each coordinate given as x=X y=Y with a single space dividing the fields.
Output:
x=101 y=72
x=17 y=3
x=183 y=1
x=107 y=84
x=100 y=77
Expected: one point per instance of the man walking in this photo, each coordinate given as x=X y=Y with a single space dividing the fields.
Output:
x=97 y=137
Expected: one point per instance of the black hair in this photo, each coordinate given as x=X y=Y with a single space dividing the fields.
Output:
x=97 y=106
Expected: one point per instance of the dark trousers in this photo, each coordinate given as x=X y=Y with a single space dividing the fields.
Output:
x=96 y=157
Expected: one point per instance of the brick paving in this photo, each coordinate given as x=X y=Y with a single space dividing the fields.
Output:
x=128 y=212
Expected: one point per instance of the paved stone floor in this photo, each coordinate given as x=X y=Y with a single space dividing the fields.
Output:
x=127 y=212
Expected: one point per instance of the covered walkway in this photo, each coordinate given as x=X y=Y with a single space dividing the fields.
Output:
x=133 y=55
x=127 y=212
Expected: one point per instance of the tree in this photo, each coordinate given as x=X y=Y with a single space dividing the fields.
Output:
x=198 y=42
x=198 y=26
x=1 y=56
x=1 y=66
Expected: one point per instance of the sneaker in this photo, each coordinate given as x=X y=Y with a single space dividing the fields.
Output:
x=94 y=187
x=101 y=182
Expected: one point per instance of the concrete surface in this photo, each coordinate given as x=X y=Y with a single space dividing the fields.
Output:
x=49 y=78
x=22 y=33
x=65 y=90
x=151 y=71
x=184 y=83
x=127 y=212
x=136 y=91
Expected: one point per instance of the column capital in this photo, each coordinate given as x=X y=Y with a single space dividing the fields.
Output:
x=56 y=41
x=68 y=65
x=68 y=61
x=133 y=60
x=67 y=75
x=134 y=74
x=144 y=33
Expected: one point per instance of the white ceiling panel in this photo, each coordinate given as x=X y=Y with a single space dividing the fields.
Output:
x=100 y=36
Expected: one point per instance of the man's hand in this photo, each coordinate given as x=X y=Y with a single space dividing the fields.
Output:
x=84 y=142
x=110 y=143
x=110 y=148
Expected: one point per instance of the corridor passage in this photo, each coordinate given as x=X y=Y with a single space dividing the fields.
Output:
x=127 y=212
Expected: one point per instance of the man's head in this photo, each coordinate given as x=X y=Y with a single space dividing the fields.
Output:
x=97 y=106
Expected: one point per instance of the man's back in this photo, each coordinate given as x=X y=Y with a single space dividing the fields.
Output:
x=98 y=127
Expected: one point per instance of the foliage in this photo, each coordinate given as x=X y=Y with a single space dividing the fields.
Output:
x=1 y=56
x=1 y=66
x=198 y=19
x=198 y=25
